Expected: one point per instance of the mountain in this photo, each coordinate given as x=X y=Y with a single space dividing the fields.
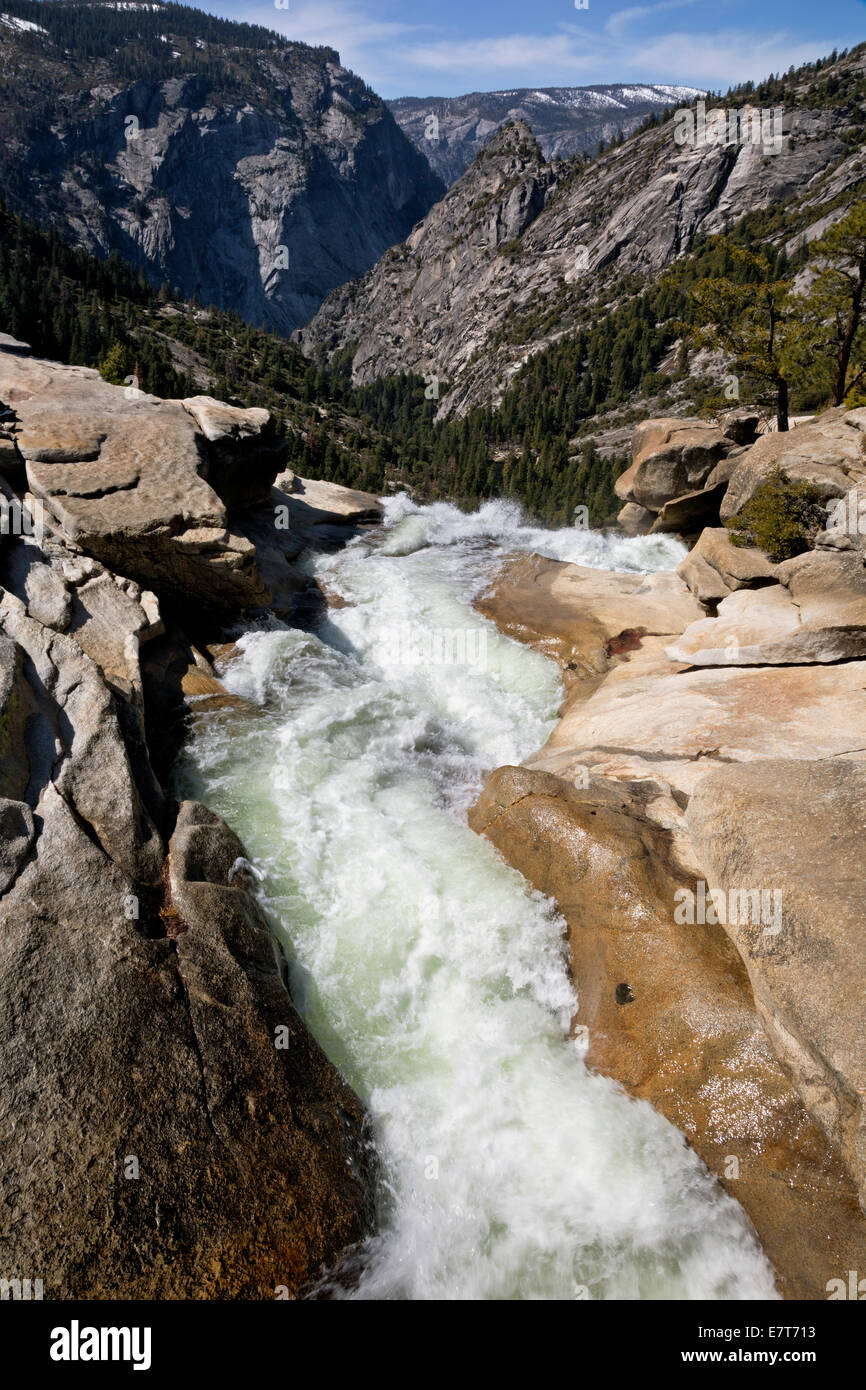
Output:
x=566 y=120
x=520 y=252
x=251 y=172
x=88 y=312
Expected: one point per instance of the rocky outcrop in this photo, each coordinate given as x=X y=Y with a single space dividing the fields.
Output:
x=322 y=513
x=144 y=485
x=828 y=452
x=688 y=474
x=170 y=1129
x=668 y=1010
x=697 y=815
x=667 y=487
x=251 y=172
x=691 y=511
x=582 y=617
x=797 y=829
x=816 y=614
x=671 y=458
x=302 y=513
x=636 y=520
x=716 y=561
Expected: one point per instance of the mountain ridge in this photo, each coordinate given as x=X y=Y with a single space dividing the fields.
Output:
x=566 y=120
x=247 y=170
x=469 y=305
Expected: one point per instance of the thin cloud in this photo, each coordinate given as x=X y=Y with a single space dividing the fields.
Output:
x=623 y=20
x=731 y=56
x=510 y=53
x=398 y=57
x=365 y=44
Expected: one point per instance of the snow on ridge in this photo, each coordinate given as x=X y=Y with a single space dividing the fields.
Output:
x=663 y=91
x=605 y=99
x=22 y=25
x=640 y=93
x=609 y=95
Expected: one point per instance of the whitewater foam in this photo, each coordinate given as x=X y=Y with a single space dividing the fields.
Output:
x=502 y=523
x=427 y=968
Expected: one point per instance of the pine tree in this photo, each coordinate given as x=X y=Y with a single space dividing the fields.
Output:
x=753 y=322
x=114 y=366
x=834 y=332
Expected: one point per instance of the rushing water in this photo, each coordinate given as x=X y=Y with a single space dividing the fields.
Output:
x=429 y=970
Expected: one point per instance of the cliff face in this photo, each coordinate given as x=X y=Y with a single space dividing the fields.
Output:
x=253 y=173
x=430 y=304
x=450 y=131
x=468 y=306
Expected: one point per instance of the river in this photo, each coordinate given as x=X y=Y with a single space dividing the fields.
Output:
x=427 y=968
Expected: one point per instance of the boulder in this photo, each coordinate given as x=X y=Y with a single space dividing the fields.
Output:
x=741 y=425
x=829 y=452
x=14 y=345
x=816 y=614
x=705 y=582
x=315 y=503
x=833 y=540
x=244 y=452
x=825 y=581
x=692 y=511
x=724 y=468
x=635 y=520
x=319 y=514
x=740 y=566
x=145 y=485
x=671 y=457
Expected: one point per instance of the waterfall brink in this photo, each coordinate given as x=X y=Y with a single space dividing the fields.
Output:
x=427 y=968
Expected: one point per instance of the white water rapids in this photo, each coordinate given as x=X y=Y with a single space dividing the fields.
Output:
x=428 y=969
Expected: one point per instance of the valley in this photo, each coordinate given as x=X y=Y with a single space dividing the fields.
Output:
x=432 y=655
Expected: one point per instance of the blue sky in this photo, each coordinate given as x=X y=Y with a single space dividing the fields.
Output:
x=446 y=47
